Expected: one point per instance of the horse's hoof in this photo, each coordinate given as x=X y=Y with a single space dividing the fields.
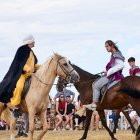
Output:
x=82 y=139
x=114 y=139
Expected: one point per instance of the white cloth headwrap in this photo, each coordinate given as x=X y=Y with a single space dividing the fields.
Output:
x=28 y=40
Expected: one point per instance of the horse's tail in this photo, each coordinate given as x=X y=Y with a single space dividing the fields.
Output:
x=131 y=87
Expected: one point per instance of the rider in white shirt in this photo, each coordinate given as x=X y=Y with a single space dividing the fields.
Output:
x=113 y=72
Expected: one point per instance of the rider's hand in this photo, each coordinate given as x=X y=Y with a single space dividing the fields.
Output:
x=104 y=73
x=31 y=70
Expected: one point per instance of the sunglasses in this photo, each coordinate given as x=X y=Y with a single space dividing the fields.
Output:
x=61 y=96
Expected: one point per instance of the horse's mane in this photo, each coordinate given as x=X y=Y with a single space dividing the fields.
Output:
x=44 y=67
x=83 y=72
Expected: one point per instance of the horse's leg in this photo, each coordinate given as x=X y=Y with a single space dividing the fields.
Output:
x=116 y=120
x=31 y=124
x=103 y=120
x=7 y=116
x=12 y=128
x=87 y=124
x=138 y=133
x=44 y=123
x=126 y=114
x=138 y=129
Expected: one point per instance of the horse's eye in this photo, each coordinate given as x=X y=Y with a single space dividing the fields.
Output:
x=65 y=64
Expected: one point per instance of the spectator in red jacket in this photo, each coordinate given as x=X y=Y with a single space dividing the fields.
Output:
x=134 y=70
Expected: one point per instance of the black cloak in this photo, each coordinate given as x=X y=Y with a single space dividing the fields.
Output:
x=8 y=84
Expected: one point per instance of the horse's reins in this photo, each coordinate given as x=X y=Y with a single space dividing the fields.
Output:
x=63 y=69
x=42 y=81
x=88 y=81
x=85 y=82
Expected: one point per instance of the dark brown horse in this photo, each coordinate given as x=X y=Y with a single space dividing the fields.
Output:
x=116 y=97
x=125 y=111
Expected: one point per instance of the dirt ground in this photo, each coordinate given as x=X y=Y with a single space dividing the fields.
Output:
x=75 y=135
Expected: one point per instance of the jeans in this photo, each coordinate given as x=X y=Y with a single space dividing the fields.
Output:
x=97 y=87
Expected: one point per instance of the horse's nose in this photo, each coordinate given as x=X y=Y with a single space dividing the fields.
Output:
x=78 y=78
x=75 y=78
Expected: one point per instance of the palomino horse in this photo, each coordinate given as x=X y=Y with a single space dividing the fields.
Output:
x=37 y=98
x=115 y=98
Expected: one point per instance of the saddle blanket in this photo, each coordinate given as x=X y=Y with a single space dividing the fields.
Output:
x=113 y=83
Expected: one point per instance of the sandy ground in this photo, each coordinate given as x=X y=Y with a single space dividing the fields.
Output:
x=75 y=135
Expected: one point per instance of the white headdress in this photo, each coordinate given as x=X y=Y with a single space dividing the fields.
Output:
x=28 y=39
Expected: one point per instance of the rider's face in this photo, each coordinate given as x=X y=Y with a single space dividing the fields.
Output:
x=108 y=47
x=31 y=45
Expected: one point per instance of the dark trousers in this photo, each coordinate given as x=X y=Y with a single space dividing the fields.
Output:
x=80 y=118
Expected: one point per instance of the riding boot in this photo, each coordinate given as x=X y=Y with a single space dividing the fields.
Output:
x=91 y=106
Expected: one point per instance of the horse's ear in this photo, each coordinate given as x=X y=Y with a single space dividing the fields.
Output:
x=56 y=54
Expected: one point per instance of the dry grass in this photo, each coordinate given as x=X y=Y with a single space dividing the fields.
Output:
x=75 y=135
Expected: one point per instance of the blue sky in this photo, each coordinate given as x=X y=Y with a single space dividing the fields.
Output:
x=76 y=29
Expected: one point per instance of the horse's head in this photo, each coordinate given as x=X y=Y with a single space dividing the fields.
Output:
x=65 y=70
x=86 y=79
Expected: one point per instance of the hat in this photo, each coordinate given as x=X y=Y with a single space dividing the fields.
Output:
x=28 y=39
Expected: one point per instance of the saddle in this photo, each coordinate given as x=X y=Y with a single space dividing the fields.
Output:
x=106 y=87
x=26 y=87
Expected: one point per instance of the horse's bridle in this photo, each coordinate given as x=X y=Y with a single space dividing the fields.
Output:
x=68 y=74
